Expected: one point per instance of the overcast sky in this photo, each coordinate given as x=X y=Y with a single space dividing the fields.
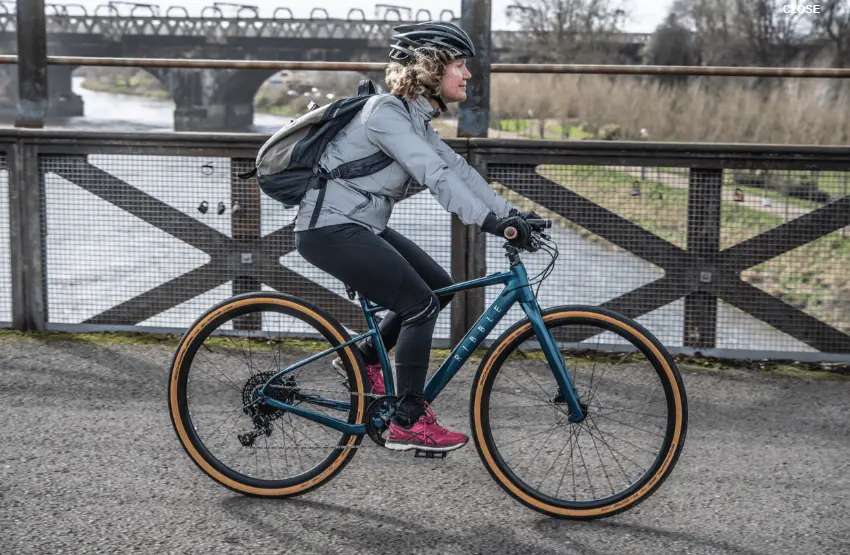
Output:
x=645 y=14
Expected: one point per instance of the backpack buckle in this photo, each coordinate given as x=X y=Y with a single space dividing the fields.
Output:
x=325 y=174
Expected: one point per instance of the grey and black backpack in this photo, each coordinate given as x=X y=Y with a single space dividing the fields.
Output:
x=287 y=165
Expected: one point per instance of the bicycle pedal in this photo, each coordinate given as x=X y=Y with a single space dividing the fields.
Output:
x=429 y=454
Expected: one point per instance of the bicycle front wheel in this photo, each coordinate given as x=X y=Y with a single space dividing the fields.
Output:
x=224 y=360
x=632 y=396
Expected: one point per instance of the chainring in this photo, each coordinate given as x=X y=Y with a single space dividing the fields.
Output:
x=378 y=415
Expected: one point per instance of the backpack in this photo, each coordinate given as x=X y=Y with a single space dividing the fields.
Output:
x=287 y=165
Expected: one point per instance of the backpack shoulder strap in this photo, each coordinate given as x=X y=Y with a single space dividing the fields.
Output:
x=366 y=88
x=403 y=101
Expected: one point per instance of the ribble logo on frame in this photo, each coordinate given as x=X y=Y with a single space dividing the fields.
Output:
x=801 y=8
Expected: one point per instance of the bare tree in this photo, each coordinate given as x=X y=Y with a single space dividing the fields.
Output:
x=742 y=32
x=713 y=25
x=672 y=44
x=573 y=31
x=773 y=36
x=834 y=25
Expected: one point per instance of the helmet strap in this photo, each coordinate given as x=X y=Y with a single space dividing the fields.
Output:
x=436 y=96
x=439 y=99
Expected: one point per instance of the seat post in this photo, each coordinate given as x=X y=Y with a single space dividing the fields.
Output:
x=352 y=294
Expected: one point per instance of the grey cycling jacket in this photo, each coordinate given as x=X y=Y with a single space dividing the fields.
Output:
x=418 y=153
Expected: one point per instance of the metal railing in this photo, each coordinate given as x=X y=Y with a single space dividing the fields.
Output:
x=368 y=67
x=732 y=250
x=729 y=250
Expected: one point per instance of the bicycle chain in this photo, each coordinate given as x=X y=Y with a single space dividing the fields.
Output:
x=320 y=390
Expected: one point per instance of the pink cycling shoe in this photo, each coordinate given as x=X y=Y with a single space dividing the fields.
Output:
x=374 y=372
x=425 y=435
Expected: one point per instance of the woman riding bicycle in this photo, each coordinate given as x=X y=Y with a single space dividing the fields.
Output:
x=351 y=241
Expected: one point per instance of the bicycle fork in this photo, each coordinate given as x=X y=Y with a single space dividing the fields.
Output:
x=553 y=355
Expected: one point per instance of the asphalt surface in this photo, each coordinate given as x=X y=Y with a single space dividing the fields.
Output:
x=89 y=463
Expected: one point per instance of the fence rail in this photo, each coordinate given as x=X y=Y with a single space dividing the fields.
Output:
x=730 y=250
x=574 y=69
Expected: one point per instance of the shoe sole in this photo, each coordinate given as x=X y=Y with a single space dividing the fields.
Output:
x=430 y=448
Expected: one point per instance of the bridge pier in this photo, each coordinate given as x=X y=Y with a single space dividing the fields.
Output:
x=214 y=117
x=62 y=102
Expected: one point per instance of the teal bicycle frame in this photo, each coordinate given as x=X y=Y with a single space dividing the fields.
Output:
x=517 y=290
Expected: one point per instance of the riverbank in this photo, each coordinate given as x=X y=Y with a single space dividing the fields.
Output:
x=141 y=84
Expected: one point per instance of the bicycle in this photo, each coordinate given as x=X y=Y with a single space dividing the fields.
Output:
x=270 y=395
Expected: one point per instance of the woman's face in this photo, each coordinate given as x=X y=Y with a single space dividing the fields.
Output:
x=453 y=86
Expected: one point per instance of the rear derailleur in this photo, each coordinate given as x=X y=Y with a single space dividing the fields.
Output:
x=262 y=415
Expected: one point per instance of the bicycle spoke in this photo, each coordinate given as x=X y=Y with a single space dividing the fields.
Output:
x=589 y=431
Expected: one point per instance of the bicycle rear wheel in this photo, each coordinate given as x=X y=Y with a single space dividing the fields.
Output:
x=243 y=444
x=630 y=439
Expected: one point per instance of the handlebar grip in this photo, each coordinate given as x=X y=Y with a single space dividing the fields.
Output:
x=510 y=233
x=539 y=223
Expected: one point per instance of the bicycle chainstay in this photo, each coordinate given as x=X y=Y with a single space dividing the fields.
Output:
x=319 y=390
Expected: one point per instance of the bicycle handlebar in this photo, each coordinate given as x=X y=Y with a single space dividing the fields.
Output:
x=536 y=224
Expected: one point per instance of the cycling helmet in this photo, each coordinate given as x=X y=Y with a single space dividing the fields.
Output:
x=447 y=38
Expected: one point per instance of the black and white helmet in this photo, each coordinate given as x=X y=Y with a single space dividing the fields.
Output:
x=447 y=38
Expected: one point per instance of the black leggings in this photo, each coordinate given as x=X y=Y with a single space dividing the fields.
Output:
x=391 y=271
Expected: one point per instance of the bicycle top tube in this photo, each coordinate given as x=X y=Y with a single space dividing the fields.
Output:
x=492 y=279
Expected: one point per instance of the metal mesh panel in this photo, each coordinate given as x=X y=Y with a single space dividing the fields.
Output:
x=804 y=261
x=704 y=258
x=591 y=268
x=154 y=241
x=621 y=229
x=5 y=252
x=109 y=260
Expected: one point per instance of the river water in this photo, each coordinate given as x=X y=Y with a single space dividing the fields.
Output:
x=100 y=256
x=121 y=112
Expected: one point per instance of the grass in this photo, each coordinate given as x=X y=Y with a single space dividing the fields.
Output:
x=812 y=371
x=836 y=184
x=131 y=86
x=557 y=132
x=515 y=125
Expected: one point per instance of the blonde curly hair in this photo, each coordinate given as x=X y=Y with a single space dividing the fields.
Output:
x=422 y=75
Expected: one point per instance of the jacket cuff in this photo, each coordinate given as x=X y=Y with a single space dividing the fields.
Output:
x=491 y=224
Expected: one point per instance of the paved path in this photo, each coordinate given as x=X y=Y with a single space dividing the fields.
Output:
x=89 y=464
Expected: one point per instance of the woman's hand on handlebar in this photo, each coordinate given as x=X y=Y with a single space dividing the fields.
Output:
x=515 y=229
x=499 y=226
x=533 y=218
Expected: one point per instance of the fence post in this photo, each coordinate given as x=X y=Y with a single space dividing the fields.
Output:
x=32 y=63
x=704 y=206
x=246 y=229
x=474 y=117
x=459 y=246
x=27 y=248
x=473 y=122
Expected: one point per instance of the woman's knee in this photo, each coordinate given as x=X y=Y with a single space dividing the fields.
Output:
x=421 y=313
x=444 y=280
x=445 y=299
